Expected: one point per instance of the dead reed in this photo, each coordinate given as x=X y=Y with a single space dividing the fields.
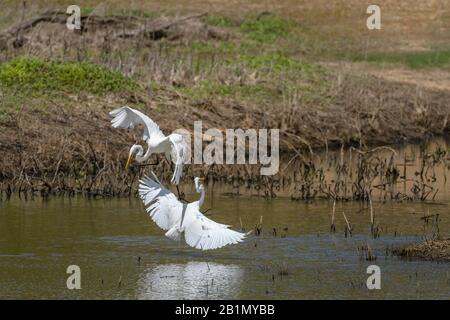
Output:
x=435 y=250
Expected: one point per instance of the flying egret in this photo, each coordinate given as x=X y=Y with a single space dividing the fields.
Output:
x=180 y=218
x=127 y=118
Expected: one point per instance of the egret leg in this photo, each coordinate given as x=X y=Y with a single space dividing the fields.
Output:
x=180 y=194
x=207 y=264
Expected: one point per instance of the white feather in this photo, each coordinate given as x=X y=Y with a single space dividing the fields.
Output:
x=173 y=145
x=170 y=214
x=128 y=118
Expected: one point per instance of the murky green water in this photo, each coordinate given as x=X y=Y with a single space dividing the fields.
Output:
x=40 y=239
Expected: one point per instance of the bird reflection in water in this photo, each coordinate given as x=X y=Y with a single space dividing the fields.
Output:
x=193 y=280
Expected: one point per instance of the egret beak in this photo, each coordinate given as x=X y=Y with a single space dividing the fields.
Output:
x=130 y=157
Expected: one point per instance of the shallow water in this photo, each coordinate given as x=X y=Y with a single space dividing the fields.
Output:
x=40 y=239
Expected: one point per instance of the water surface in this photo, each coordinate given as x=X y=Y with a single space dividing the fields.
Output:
x=300 y=259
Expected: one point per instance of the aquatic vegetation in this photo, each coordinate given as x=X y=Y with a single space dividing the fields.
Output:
x=283 y=270
x=436 y=250
x=366 y=253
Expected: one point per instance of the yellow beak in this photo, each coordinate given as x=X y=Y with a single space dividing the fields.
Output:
x=130 y=157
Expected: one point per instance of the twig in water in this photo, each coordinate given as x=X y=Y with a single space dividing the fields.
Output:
x=333 y=227
x=258 y=227
x=242 y=226
x=349 y=227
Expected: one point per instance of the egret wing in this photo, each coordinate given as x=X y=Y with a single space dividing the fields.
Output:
x=179 y=150
x=196 y=207
x=128 y=118
x=162 y=205
x=203 y=233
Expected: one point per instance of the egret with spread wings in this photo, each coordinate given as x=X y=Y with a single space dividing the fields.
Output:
x=173 y=144
x=181 y=219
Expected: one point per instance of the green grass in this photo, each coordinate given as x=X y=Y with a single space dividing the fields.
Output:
x=5 y=117
x=42 y=75
x=86 y=10
x=252 y=57
x=262 y=51
x=266 y=29
x=413 y=60
x=266 y=47
x=221 y=21
x=11 y=102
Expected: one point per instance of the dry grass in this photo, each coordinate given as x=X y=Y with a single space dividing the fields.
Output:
x=436 y=250
x=408 y=25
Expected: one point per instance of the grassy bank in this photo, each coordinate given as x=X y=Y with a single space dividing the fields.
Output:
x=252 y=70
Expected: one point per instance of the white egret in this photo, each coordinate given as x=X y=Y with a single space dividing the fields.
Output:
x=180 y=218
x=128 y=118
x=200 y=189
